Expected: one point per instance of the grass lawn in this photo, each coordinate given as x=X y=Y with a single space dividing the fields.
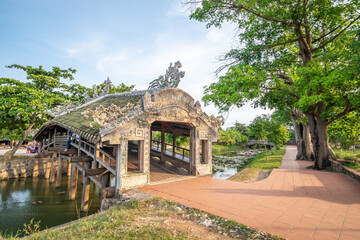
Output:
x=353 y=156
x=154 y=219
x=259 y=168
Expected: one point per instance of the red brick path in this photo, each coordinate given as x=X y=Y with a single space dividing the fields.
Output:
x=292 y=202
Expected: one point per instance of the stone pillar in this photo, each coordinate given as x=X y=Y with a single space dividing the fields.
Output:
x=141 y=155
x=73 y=182
x=194 y=151
x=86 y=191
x=121 y=163
x=59 y=172
x=147 y=146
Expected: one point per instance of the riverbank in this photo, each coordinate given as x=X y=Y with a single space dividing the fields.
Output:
x=154 y=219
x=259 y=168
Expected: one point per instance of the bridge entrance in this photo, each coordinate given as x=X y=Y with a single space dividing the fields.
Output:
x=170 y=150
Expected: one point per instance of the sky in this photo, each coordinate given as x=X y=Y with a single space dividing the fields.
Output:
x=129 y=41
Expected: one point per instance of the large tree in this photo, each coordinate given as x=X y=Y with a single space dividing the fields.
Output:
x=24 y=105
x=292 y=54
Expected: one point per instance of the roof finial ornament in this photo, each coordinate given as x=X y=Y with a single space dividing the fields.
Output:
x=106 y=90
x=95 y=95
x=171 y=79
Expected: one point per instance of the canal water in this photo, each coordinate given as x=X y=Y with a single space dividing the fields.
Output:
x=228 y=164
x=35 y=198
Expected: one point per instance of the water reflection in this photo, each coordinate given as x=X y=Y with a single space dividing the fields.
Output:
x=24 y=199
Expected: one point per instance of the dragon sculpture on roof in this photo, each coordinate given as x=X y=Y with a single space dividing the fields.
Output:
x=171 y=79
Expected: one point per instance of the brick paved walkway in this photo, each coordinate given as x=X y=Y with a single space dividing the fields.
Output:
x=292 y=202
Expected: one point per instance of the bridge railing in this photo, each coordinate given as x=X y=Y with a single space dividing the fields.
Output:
x=105 y=159
x=182 y=150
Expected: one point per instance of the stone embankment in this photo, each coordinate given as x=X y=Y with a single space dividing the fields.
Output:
x=29 y=167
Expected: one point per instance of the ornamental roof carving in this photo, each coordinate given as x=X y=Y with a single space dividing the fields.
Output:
x=104 y=114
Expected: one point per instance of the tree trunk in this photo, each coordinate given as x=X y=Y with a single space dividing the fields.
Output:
x=331 y=152
x=303 y=140
x=265 y=153
x=26 y=133
x=318 y=131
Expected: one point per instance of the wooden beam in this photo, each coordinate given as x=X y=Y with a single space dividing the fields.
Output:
x=96 y=180
x=172 y=129
x=75 y=159
x=59 y=172
x=94 y=171
x=174 y=145
x=73 y=182
x=48 y=164
x=52 y=169
x=86 y=191
x=162 y=140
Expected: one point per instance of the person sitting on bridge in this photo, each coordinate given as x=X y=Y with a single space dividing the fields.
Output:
x=68 y=142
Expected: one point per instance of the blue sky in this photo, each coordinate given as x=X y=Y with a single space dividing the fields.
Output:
x=130 y=41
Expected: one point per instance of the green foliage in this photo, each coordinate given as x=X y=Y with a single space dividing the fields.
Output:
x=25 y=103
x=302 y=54
x=265 y=128
x=181 y=141
x=346 y=130
x=274 y=160
x=231 y=137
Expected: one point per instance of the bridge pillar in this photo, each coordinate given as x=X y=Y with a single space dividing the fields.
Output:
x=141 y=156
x=73 y=182
x=105 y=180
x=48 y=164
x=194 y=151
x=121 y=163
x=69 y=164
x=52 y=169
x=59 y=172
x=86 y=191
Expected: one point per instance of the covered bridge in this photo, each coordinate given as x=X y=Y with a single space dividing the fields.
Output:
x=115 y=136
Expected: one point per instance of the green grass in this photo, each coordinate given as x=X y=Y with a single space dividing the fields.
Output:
x=274 y=160
x=350 y=155
x=218 y=149
x=154 y=219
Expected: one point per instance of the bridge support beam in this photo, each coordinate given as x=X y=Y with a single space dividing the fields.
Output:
x=69 y=168
x=48 y=164
x=73 y=182
x=59 y=172
x=105 y=180
x=52 y=169
x=86 y=191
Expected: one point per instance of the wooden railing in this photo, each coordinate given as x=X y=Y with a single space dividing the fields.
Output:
x=104 y=159
x=158 y=144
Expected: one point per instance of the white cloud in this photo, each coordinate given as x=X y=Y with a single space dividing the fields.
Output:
x=133 y=64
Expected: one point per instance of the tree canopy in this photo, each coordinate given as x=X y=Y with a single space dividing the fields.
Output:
x=292 y=54
x=25 y=104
